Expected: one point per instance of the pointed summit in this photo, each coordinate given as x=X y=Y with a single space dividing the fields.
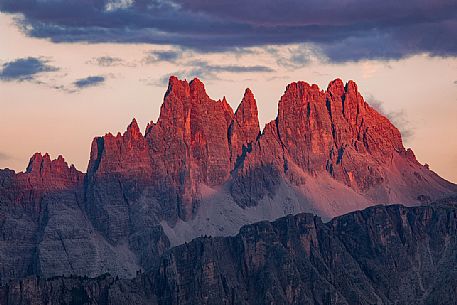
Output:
x=177 y=87
x=38 y=163
x=247 y=114
x=41 y=166
x=336 y=87
x=133 y=130
x=248 y=93
x=197 y=89
x=351 y=86
x=245 y=125
x=196 y=83
x=133 y=124
x=228 y=111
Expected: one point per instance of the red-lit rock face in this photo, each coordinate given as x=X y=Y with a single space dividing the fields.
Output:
x=244 y=128
x=365 y=141
x=42 y=176
x=304 y=126
x=336 y=131
x=198 y=141
x=127 y=153
x=52 y=173
x=188 y=144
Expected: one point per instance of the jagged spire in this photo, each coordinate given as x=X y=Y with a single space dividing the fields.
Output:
x=42 y=165
x=133 y=130
x=197 y=88
x=336 y=87
x=177 y=87
x=245 y=126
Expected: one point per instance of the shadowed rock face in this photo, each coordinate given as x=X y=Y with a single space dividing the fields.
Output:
x=26 y=200
x=381 y=255
x=203 y=169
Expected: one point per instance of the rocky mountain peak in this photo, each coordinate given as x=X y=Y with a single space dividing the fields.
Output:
x=197 y=140
x=121 y=153
x=297 y=95
x=247 y=109
x=336 y=87
x=133 y=130
x=351 y=86
x=50 y=174
x=38 y=162
x=304 y=125
x=244 y=128
x=42 y=165
x=197 y=89
x=177 y=87
x=228 y=111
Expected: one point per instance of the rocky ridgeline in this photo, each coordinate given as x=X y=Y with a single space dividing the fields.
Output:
x=204 y=169
x=381 y=255
x=198 y=141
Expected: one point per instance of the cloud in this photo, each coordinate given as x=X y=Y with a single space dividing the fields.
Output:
x=163 y=80
x=118 y=4
x=106 y=61
x=213 y=68
x=158 y=56
x=209 y=71
x=398 y=118
x=90 y=81
x=25 y=69
x=340 y=31
x=294 y=57
x=110 y=61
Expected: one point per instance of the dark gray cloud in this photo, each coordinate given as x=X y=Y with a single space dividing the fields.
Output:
x=106 y=61
x=341 y=30
x=110 y=61
x=207 y=71
x=167 y=55
x=315 y=12
x=25 y=69
x=90 y=81
x=204 y=66
x=398 y=118
x=294 y=57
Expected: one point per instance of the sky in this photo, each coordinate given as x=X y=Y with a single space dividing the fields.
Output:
x=71 y=70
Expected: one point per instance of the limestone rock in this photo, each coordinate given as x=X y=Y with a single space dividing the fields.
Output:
x=244 y=129
x=203 y=169
x=381 y=255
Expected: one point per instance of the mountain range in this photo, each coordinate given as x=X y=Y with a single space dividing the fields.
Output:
x=204 y=169
x=381 y=255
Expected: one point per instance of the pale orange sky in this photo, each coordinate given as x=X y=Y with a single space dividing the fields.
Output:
x=419 y=92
